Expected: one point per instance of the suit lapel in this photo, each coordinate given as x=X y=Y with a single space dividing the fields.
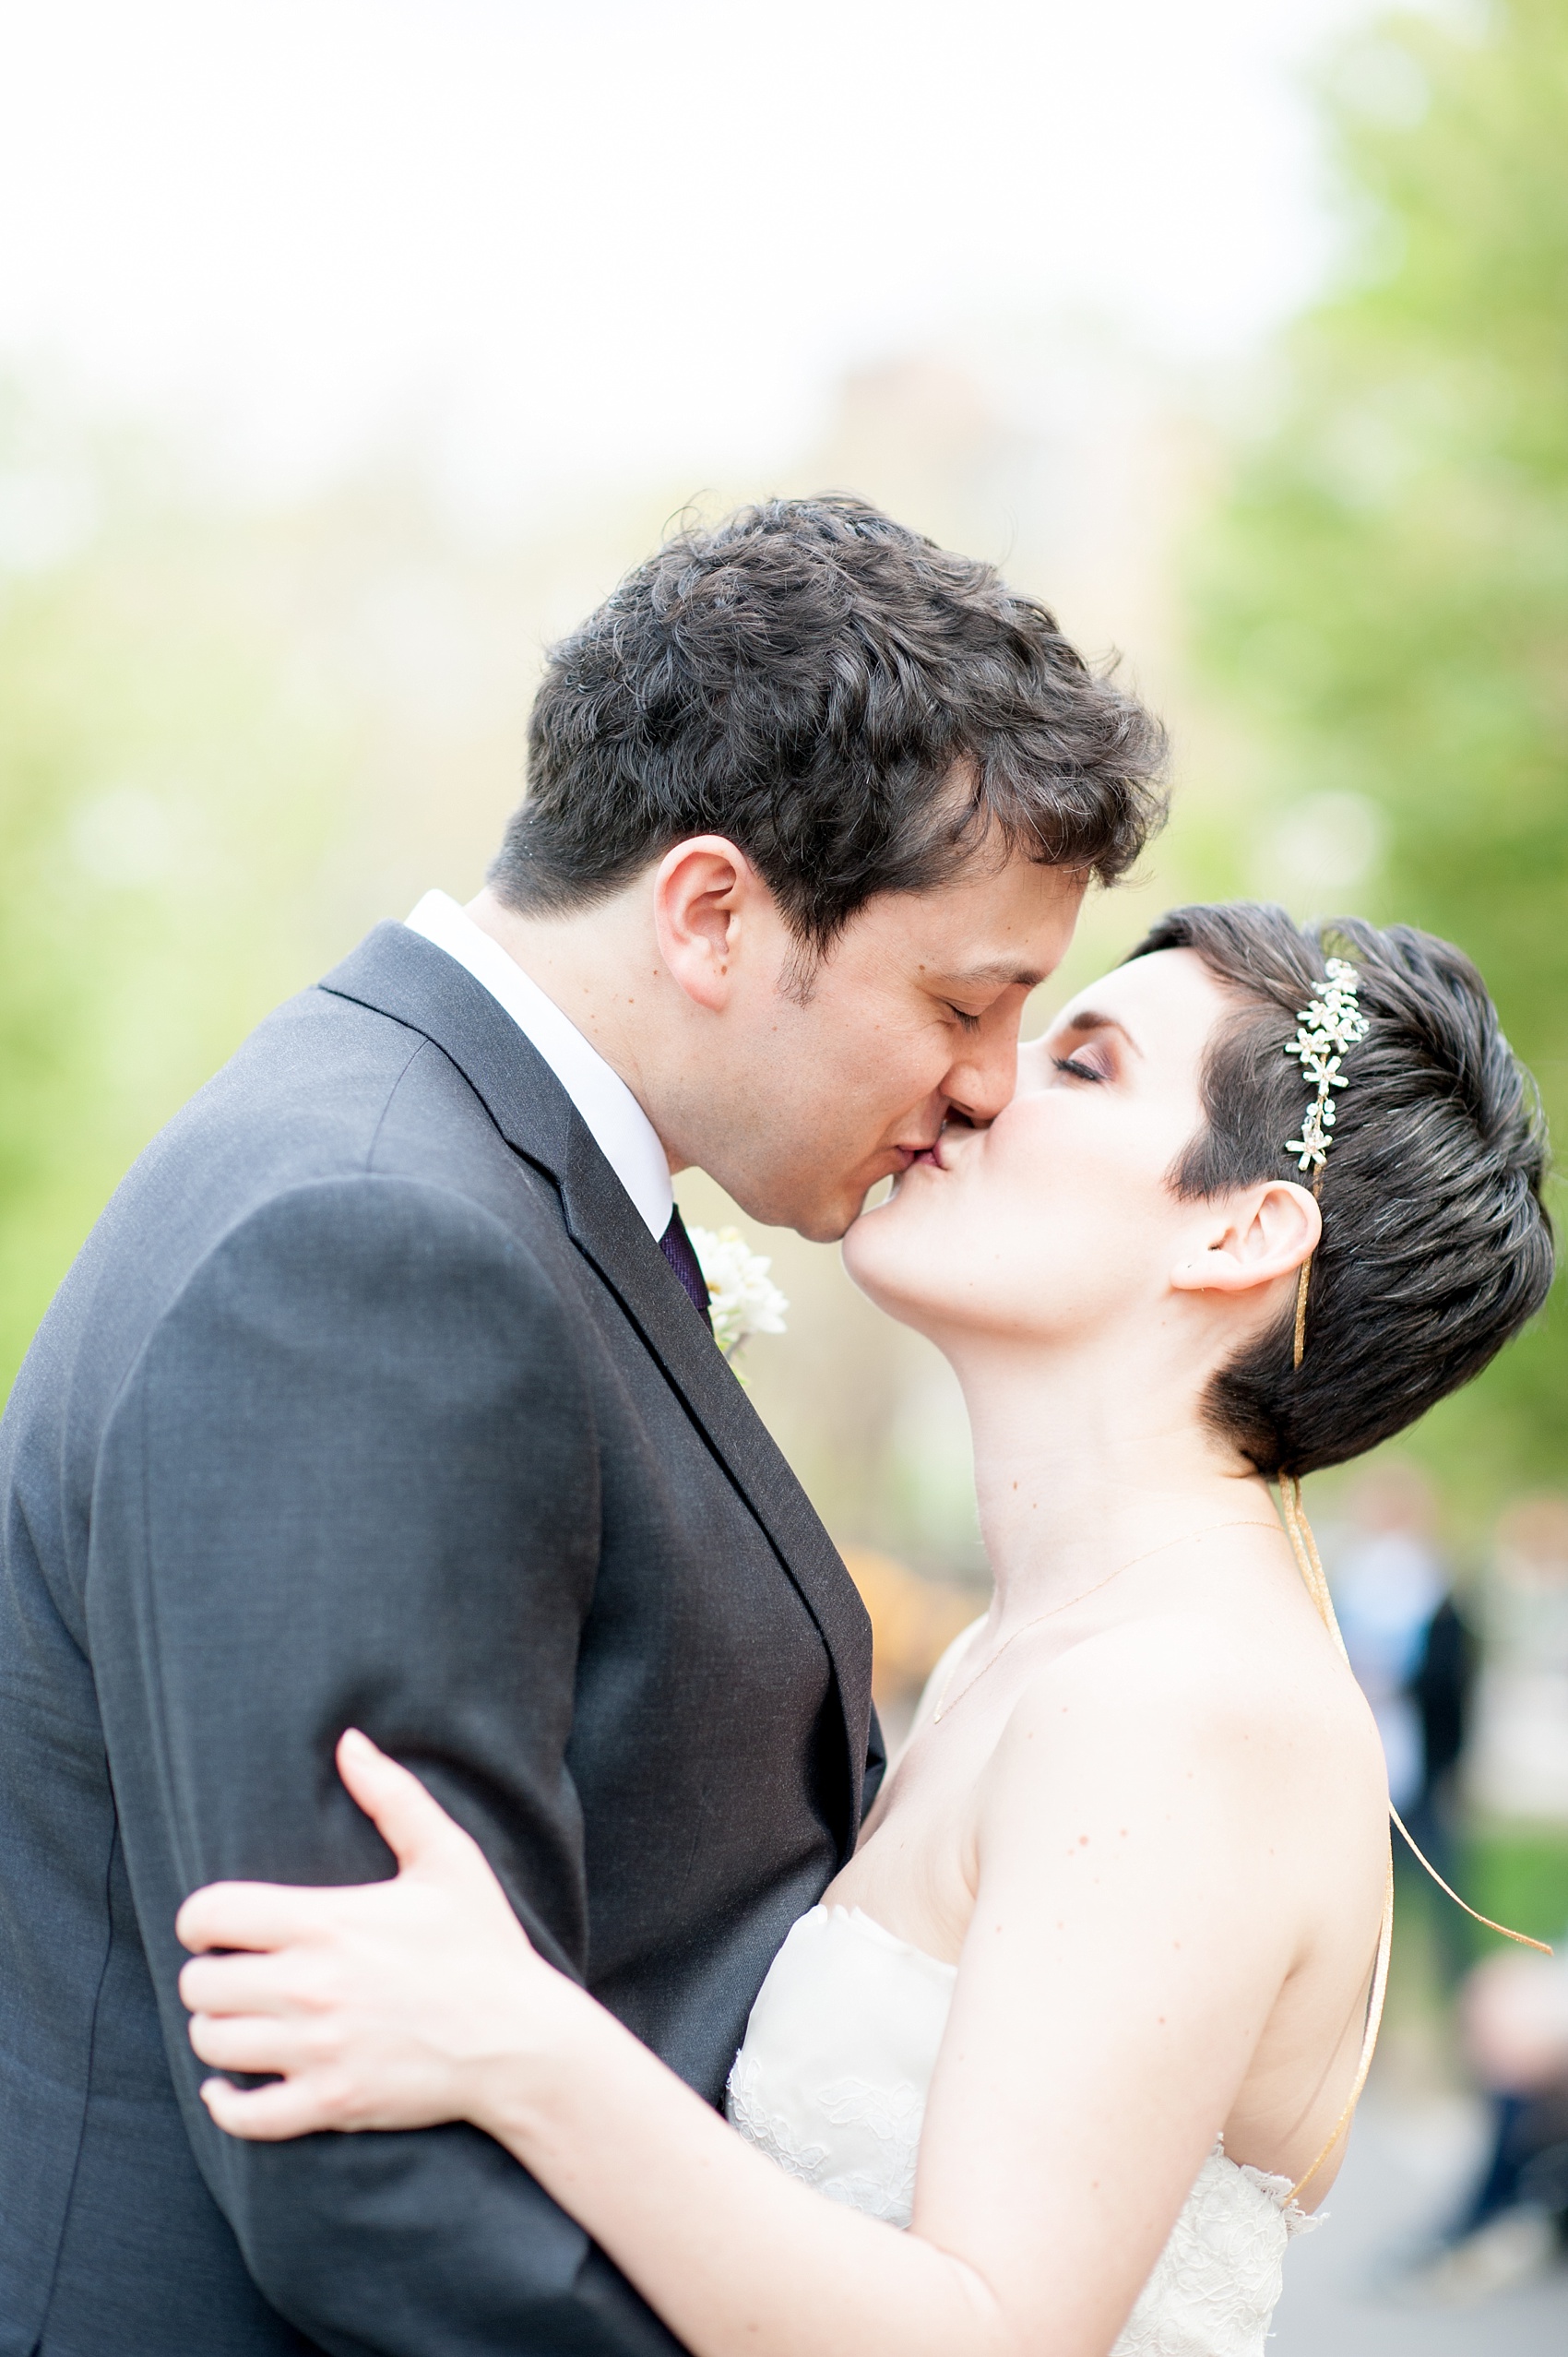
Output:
x=605 y=1226
x=399 y=973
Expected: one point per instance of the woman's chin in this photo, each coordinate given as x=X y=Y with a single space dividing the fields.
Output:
x=886 y=1251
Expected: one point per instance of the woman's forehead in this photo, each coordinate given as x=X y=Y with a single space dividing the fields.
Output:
x=1165 y=1001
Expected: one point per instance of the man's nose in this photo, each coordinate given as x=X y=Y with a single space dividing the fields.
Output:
x=983 y=1080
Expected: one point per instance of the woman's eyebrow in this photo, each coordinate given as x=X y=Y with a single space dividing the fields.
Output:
x=1088 y=1019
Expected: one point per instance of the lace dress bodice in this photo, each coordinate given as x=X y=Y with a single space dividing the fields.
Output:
x=831 y=2083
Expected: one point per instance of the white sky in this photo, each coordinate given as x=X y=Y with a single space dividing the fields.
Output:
x=618 y=237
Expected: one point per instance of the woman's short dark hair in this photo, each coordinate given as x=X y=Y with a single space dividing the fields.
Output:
x=804 y=678
x=1436 y=1246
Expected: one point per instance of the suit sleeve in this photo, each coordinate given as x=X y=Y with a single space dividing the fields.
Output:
x=353 y=1480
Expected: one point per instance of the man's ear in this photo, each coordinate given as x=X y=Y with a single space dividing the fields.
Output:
x=1260 y=1233
x=702 y=893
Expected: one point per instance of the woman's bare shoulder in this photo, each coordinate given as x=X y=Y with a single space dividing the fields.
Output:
x=1193 y=1694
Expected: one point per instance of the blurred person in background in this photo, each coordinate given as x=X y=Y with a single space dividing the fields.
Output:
x=1515 y=2222
x=1514 y=2011
x=1518 y=1768
x=1414 y=1659
x=1388 y=1585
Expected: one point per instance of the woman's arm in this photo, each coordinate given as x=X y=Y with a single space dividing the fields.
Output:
x=1128 y=1940
x=401 y=2003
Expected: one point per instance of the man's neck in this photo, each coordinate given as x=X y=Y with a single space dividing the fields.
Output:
x=599 y=967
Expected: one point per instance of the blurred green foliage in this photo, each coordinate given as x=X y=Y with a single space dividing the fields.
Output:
x=232 y=736
x=1383 y=596
x=1518 y=1875
x=163 y=792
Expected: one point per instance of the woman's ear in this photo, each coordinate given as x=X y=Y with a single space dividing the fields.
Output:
x=1259 y=1234
x=700 y=896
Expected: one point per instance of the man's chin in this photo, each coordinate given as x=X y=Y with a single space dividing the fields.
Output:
x=832 y=1227
x=826 y=1224
x=823 y=1216
x=820 y=1219
x=827 y=1219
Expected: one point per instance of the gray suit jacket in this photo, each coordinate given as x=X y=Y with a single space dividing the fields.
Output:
x=371 y=1400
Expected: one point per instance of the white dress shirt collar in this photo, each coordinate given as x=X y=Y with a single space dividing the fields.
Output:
x=623 y=1131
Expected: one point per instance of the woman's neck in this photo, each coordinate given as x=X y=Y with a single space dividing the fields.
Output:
x=1083 y=1460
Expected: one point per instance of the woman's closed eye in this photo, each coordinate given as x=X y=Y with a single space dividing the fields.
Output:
x=1077 y=1067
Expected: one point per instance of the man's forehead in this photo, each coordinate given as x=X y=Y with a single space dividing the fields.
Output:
x=1007 y=926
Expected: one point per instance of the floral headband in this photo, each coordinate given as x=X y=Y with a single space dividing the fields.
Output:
x=1331 y=1024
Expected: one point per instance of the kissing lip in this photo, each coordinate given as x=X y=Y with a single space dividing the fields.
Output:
x=935 y=1156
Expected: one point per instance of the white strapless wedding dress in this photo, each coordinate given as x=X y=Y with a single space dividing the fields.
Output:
x=831 y=2083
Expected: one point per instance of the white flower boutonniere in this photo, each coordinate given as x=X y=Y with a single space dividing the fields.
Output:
x=743 y=1299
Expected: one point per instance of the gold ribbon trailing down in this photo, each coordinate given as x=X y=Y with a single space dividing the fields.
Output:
x=1310 y=1564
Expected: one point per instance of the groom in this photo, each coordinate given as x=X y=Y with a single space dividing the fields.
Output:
x=383 y=1394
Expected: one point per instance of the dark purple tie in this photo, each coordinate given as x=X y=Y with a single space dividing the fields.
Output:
x=676 y=1246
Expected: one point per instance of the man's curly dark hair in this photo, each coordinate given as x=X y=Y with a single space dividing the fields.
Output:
x=855 y=708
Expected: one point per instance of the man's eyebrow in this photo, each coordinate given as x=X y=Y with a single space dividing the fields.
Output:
x=998 y=971
x=1088 y=1019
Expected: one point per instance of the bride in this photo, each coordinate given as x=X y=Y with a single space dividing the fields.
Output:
x=1088 y=2008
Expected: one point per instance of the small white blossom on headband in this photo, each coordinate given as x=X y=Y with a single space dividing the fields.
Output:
x=1333 y=1023
x=743 y=1299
